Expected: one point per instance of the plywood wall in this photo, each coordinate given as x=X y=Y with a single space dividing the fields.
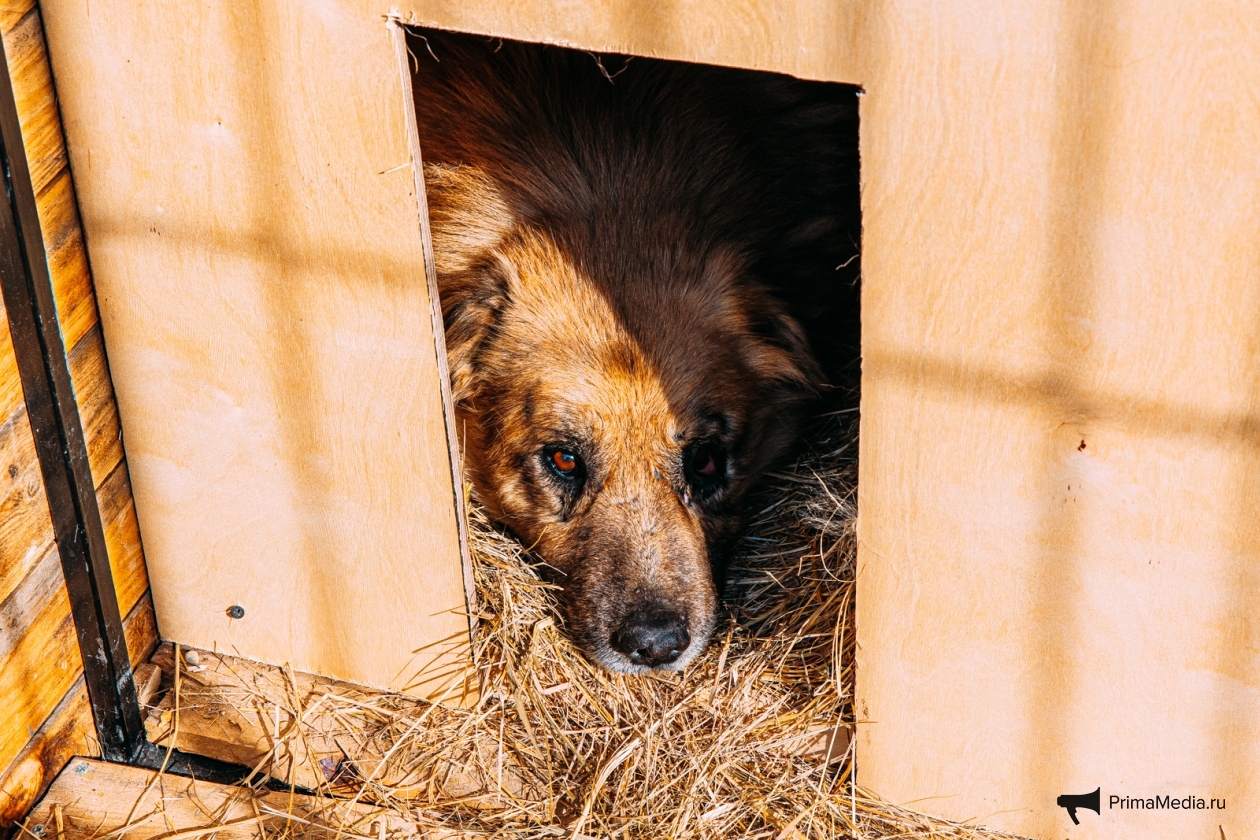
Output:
x=1060 y=546
x=246 y=187
x=44 y=715
x=1060 y=410
x=1061 y=386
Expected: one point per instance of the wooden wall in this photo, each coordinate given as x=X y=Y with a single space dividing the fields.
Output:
x=244 y=174
x=44 y=715
x=1060 y=457
x=1060 y=476
x=1061 y=382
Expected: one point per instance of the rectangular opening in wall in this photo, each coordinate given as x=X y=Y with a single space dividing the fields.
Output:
x=648 y=274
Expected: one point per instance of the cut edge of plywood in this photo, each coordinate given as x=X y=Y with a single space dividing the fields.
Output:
x=399 y=34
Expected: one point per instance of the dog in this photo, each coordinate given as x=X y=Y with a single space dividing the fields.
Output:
x=627 y=264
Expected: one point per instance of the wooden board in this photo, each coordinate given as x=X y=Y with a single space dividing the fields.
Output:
x=812 y=39
x=39 y=656
x=245 y=184
x=68 y=731
x=294 y=727
x=46 y=717
x=93 y=798
x=1060 y=458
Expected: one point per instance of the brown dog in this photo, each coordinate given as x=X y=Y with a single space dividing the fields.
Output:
x=617 y=261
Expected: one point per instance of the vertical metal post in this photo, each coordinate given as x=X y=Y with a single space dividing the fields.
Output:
x=62 y=449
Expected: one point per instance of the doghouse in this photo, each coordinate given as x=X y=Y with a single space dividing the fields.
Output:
x=1060 y=426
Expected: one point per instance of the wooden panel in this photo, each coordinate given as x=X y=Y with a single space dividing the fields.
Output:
x=72 y=282
x=25 y=526
x=1060 y=451
x=46 y=717
x=36 y=102
x=140 y=626
x=243 y=181
x=67 y=259
x=122 y=538
x=10 y=382
x=812 y=39
x=98 y=799
x=41 y=132
x=97 y=410
x=12 y=12
x=39 y=654
x=67 y=732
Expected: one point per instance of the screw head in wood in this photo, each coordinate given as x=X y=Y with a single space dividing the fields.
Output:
x=236 y=611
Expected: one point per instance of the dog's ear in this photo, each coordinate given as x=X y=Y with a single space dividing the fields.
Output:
x=776 y=349
x=780 y=355
x=467 y=215
x=468 y=219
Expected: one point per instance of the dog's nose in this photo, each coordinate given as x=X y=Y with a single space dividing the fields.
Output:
x=652 y=640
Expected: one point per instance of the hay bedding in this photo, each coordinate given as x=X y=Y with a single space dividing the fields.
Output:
x=734 y=747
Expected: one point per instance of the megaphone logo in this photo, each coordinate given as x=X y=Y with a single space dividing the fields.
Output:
x=1072 y=801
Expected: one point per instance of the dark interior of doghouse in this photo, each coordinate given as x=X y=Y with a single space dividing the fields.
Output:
x=825 y=300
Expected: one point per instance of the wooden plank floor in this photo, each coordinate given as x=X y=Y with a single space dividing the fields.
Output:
x=317 y=732
x=94 y=799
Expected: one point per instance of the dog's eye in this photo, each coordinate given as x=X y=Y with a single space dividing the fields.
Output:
x=705 y=465
x=565 y=464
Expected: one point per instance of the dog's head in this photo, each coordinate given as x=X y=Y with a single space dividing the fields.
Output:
x=614 y=425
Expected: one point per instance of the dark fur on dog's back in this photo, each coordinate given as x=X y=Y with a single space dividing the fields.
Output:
x=625 y=268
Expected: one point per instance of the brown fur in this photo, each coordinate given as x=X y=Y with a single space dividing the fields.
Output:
x=617 y=262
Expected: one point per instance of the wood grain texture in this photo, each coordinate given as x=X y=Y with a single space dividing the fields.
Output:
x=243 y=182
x=98 y=799
x=39 y=661
x=12 y=12
x=67 y=732
x=72 y=282
x=25 y=527
x=10 y=381
x=36 y=101
x=67 y=259
x=45 y=713
x=97 y=409
x=39 y=653
x=1060 y=453
x=812 y=39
